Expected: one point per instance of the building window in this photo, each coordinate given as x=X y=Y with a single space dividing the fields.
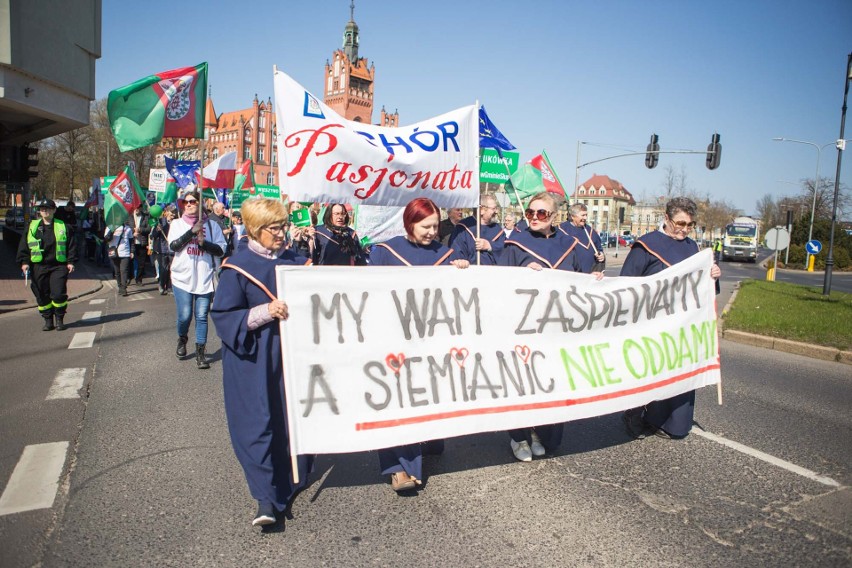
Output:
x=274 y=157
x=215 y=153
x=246 y=153
x=260 y=155
x=247 y=135
x=262 y=124
x=582 y=191
x=595 y=202
x=270 y=178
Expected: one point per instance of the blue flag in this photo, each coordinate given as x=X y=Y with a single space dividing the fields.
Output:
x=185 y=172
x=489 y=136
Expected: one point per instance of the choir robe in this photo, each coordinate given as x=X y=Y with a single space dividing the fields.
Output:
x=327 y=249
x=588 y=241
x=555 y=251
x=252 y=375
x=463 y=240
x=650 y=254
x=399 y=251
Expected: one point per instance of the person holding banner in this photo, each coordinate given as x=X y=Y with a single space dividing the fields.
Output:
x=652 y=253
x=418 y=247
x=489 y=243
x=196 y=242
x=589 y=249
x=246 y=314
x=335 y=243
x=540 y=246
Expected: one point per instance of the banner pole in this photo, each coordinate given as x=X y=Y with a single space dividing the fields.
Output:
x=288 y=404
x=476 y=209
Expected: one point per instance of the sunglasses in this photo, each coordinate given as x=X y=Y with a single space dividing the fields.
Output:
x=191 y=201
x=539 y=214
x=683 y=224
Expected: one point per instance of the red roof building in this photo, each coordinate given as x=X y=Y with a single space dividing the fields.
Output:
x=604 y=197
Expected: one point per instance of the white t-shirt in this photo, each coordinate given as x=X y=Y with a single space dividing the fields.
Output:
x=192 y=267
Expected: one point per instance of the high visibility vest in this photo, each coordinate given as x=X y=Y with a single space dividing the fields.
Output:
x=59 y=232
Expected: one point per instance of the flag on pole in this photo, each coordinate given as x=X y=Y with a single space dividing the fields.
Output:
x=549 y=179
x=170 y=104
x=535 y=176
x=220 y=172
x=244 y=178
x=490 y=136
x=184 y=174
x=122 y=198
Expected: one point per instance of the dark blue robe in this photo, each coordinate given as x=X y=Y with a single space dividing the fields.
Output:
x=586 y=237
x=327 y=250
x=650 y=254
x=252 y=375
x=399 y=251
x=463 y=240
x=555 y=251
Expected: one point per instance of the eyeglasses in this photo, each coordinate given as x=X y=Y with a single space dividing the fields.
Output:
x=191 y=201
x=539 y=214
x=277 y=229
x=683 y=224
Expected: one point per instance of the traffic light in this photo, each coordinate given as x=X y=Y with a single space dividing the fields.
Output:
x=714 y=153
x=29 y=161
x=652 y=157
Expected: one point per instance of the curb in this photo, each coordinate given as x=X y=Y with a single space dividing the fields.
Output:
x=87 y=292
x=789 y=346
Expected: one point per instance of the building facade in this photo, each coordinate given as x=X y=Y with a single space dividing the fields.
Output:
x=605 y=197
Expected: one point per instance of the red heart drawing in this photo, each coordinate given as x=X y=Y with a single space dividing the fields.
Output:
x=523 y=352
x=394 y=362
x=459 y=355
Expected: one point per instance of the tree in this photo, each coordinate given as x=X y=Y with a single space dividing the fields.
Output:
x=767 y=211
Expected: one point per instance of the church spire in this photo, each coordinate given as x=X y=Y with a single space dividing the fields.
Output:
x=350 y=35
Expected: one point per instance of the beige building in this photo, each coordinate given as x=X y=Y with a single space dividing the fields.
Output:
x=605 y=197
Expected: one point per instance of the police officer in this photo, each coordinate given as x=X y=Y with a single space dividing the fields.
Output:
x=49 y=247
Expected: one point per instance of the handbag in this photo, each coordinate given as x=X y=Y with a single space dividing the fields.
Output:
x=112 y=252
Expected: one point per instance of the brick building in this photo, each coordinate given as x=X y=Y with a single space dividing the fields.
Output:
x=251 y=132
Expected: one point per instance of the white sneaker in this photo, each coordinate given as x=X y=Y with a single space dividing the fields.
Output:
x=536 y=446
x=521 y=450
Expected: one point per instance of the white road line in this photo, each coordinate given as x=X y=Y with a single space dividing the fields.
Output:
x=139 y=296
x=778 y=462
x=35 y=480
x=67 y=384
x=98 y=301
x=82 y=340
x=91 y=316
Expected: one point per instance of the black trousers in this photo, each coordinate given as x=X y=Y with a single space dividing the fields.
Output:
x=121 y=269
x=140 y=254
x=164 y=263
x=50 y=288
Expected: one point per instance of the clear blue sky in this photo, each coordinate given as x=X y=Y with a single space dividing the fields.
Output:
x=550 y=73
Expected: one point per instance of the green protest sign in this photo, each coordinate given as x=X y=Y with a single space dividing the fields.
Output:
x=491 y=167
x=301 y=218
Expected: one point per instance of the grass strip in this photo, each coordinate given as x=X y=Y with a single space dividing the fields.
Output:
x=791 y=311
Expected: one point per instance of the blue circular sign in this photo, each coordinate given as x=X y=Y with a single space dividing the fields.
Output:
x=813 y=246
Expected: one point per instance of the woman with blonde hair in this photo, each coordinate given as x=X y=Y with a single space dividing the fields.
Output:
x=246 y=313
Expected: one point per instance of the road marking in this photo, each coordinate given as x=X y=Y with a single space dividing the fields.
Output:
x=778 y=462
x=98 y=301
x=82 y=340
x=67 y=384
x=139 y=296
x=35 y=480
x=91 y=316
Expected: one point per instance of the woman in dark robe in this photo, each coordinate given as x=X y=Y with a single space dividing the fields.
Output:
x=335 y=243
x=540 y=246
x=419 y=247
x=246 y=314
x=650 y=254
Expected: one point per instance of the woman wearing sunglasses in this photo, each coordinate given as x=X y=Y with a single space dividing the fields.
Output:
x=419 y=247
x=652 y=253
x=540 y=246
x=195 y=241
x=247 y=315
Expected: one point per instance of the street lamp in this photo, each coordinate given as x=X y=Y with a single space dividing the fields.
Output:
x=816 y=186
x=841 y=145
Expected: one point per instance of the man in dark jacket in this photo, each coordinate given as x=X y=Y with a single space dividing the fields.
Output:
x=141 y=230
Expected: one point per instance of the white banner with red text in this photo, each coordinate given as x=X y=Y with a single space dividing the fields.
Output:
x=376 y=357
x=323 y=157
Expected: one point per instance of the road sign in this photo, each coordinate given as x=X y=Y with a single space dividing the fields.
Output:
x=813 y=247
x=777 y=238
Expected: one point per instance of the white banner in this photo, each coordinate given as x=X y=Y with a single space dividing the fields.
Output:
x=381 y=356
x=325 y=158
x=157 y=179
x=379 y=224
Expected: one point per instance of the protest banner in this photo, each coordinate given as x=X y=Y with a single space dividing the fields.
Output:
x=327 y=159
x=383 y=356
x=377 y=224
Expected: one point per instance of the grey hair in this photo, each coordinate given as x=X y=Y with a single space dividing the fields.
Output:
x=577 y=208
x=487 y=197
x=684 y=204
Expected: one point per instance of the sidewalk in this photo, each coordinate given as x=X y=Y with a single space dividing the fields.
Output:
x=86 y=279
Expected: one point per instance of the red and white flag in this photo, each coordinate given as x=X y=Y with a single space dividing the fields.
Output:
x=220 y=173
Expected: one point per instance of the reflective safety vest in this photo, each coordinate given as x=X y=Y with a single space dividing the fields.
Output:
x=59 y=231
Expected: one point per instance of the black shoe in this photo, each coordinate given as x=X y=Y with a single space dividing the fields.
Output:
x=139 y=281
x=181 y=346
x=60 y=323
x=200 y=360
x=635 y=423
x=122 y=291
x=48 y=323
x=265 y=515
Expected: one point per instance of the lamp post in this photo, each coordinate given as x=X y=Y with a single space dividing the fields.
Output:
x=816 y=187
x=841 y=145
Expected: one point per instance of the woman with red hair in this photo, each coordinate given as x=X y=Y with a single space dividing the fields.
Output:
x=419 y=247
